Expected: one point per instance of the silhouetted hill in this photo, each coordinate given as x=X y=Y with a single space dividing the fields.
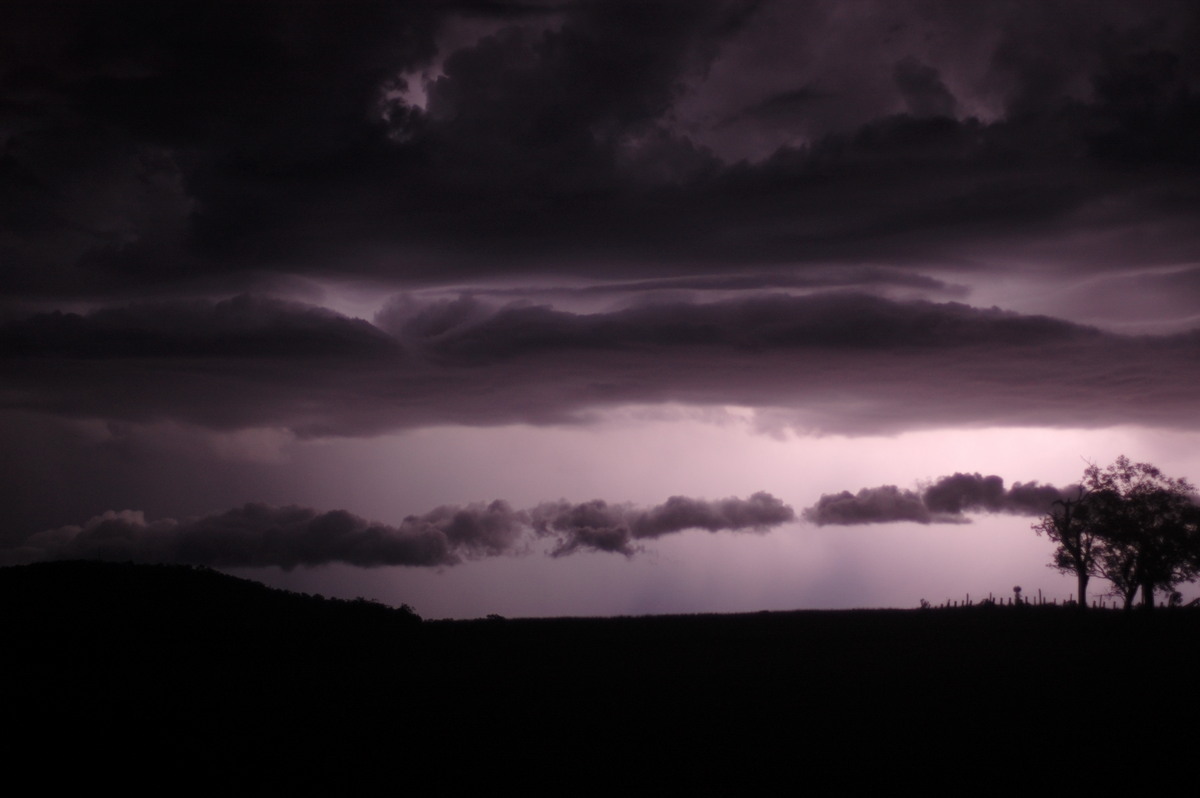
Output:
x=126 y=599
x=228 y=684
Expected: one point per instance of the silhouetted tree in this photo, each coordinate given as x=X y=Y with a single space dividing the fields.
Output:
x=1144 y=524
x=1067 y=524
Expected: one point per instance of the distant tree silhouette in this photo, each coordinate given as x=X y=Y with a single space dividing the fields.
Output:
x=1131 y=525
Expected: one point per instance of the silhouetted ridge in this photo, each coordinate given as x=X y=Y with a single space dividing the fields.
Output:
x=177 y=600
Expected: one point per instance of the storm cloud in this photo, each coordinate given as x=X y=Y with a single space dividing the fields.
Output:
x=421 y=142
x=245 y=326
x=880 y=505
x=259 y=535
x=249 y=363
x=601 y=526
x=158 y=200
x=948 y=500
x=278 y=251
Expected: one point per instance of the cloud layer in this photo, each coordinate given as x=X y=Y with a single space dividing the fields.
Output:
x=946 y=501
x=258 y=535
x=699 y=173
x=414 y=141
x=832 y=362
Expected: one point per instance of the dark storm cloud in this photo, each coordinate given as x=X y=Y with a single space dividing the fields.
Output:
x=464 y=330
x=1158 y=300
x=884 y=504
x=923 y=90
x=784 y=106
x=133 y=130
x=834 y=362
x=963 y=493
x=851 y=277
x=242 y=327
x=759 y=512
x=911 y=186
x=163 y=144
x=183 y=148
x=946 y=501
x=601 y=526
x=257 y=535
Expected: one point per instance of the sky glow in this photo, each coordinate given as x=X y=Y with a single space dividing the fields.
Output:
x=619 y=267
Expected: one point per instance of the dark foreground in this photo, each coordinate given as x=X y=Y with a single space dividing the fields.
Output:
x=166 y=675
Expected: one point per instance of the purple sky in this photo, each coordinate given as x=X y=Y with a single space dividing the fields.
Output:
x=597 y=307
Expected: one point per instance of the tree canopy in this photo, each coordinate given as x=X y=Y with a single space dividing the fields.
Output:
x=1130 y=524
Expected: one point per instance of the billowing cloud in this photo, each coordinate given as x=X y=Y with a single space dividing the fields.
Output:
x=946 y=501
x=602 y=526
x=415 y=141
x=258 y=535
x=965 y=493
x=880 y=505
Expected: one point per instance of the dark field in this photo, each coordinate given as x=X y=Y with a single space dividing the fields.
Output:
x=134 y=674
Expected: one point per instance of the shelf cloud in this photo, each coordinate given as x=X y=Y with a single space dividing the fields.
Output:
x=831 y=362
